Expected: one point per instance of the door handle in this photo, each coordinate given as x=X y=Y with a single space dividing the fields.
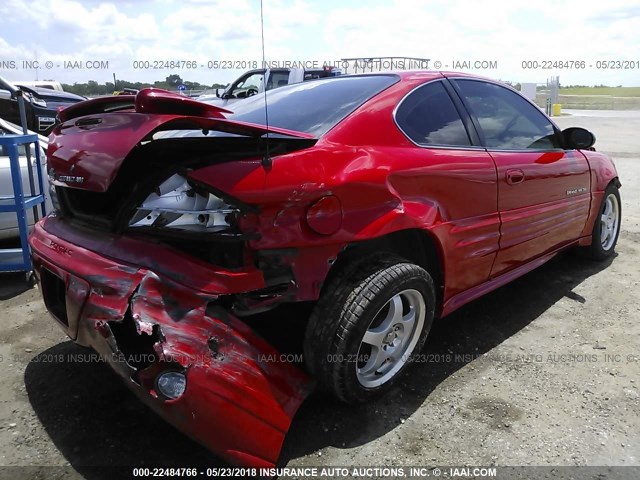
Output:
x=515 y=176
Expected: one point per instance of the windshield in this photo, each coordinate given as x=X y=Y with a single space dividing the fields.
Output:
x=312 y=107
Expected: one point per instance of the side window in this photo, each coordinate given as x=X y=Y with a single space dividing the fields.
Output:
x=277 y=79
x=246 y=86
x=507 y=120
x=429 y=117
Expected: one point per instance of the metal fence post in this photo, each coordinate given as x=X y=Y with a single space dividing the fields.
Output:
x=25 y=130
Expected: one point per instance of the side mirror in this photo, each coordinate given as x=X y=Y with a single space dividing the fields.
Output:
x=578 y=138
x=5 y=94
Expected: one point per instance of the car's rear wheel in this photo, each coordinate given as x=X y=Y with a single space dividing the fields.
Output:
x=606 y=229
x=368 y=326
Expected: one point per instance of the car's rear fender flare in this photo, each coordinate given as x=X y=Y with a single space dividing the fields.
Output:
x=312 y=258
x=419 y=246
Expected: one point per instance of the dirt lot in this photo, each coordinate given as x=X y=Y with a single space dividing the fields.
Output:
x=544 y=371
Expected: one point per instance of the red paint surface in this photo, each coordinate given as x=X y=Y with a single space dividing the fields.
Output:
x=485 y=229
x=325 y=215
x=239 y=402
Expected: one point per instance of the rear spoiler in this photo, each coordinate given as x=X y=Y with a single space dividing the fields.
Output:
x=147 y=100
x=96 y=105
x=185 y=112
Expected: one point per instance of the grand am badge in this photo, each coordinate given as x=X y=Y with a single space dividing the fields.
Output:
x=54 y=176
x=70 y=179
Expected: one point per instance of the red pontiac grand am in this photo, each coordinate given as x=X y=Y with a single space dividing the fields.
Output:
x=388 y=199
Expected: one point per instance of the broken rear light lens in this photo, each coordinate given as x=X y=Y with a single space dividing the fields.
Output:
x=176 y=204
x=171 y=384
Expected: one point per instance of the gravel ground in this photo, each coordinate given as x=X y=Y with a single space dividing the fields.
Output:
x=544 y=371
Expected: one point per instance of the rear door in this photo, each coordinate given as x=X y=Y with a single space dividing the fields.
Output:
x=543 y=190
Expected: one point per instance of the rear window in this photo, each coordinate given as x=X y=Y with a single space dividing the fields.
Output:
x=429 y=117
x=312 y=107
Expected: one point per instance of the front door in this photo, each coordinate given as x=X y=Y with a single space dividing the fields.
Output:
x=543 y=190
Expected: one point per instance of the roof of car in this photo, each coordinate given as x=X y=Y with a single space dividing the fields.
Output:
x=420 y=74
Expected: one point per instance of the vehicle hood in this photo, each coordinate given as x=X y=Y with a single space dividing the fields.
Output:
x=210 y=98
x=56 y=96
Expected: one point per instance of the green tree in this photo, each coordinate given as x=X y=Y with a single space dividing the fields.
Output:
x=94 y=89
x=174 y=80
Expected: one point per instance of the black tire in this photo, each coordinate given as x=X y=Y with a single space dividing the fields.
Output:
x=31 y=278
x=345 y=312
x=603 y=249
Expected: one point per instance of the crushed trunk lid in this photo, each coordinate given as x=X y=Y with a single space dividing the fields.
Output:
x=87 y=150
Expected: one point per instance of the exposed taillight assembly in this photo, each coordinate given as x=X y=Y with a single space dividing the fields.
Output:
x=177 y=204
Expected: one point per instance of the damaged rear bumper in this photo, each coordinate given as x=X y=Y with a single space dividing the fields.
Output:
x=238 y=401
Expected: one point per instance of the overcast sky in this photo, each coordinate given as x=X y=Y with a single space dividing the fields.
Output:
x=508 y=33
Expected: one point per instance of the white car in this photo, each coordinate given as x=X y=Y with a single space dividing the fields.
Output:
x=9 y=221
